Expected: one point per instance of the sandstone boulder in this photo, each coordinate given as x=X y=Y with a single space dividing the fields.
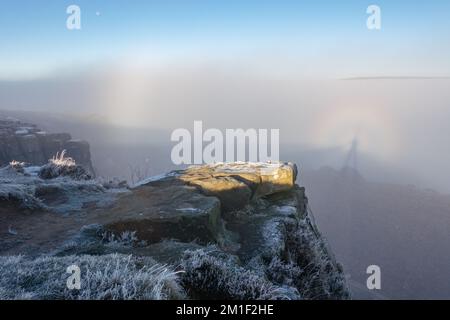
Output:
x=236 y=184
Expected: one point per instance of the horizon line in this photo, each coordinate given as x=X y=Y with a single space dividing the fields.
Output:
x=397 y=78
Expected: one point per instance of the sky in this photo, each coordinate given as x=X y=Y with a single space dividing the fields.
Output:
x=326 y=38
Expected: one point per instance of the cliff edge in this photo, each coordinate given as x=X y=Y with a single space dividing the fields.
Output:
x=222 y=231
x=25 y=142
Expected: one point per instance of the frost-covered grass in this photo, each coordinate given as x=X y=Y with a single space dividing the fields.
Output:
x=24 y=189
x=60 y=165
x=294 y=263
x=126 y=238
x=320 y=276
x=19 y=195
x=17 y=165
x=16 y=189
x=93 y=239
x=61 y=160
x=102 y=277
x=282 y=272
x=212 y=275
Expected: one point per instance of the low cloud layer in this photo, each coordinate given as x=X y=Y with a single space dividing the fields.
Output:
x=401 y=122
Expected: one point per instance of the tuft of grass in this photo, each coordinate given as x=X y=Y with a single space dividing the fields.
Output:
x=210 y=274
x=61 y=160
x=60 y=165
x=17 y=165
x=124 y=239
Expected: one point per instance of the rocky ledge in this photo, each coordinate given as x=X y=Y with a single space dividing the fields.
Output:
x=222 y=231
x=26 y=142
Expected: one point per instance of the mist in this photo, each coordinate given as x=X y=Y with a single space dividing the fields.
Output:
x=400 y=124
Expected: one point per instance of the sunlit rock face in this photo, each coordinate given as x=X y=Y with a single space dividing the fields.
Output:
x=237 y=230
x=236 y=184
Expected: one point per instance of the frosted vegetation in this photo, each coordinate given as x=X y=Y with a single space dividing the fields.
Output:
x=28 y=187
x=112 y=276
x=208 y=273
x=60 y=165
x=306 y=273
x=202 y=273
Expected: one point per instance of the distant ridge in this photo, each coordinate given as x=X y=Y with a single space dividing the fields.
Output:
x=398 y=78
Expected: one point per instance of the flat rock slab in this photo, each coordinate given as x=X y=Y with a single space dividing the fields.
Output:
x=169 y=212
x=189 y=204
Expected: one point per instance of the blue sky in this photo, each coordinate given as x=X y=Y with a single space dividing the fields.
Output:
x=414 y=40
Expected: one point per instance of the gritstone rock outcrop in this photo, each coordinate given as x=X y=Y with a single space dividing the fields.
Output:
x=225 y=231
